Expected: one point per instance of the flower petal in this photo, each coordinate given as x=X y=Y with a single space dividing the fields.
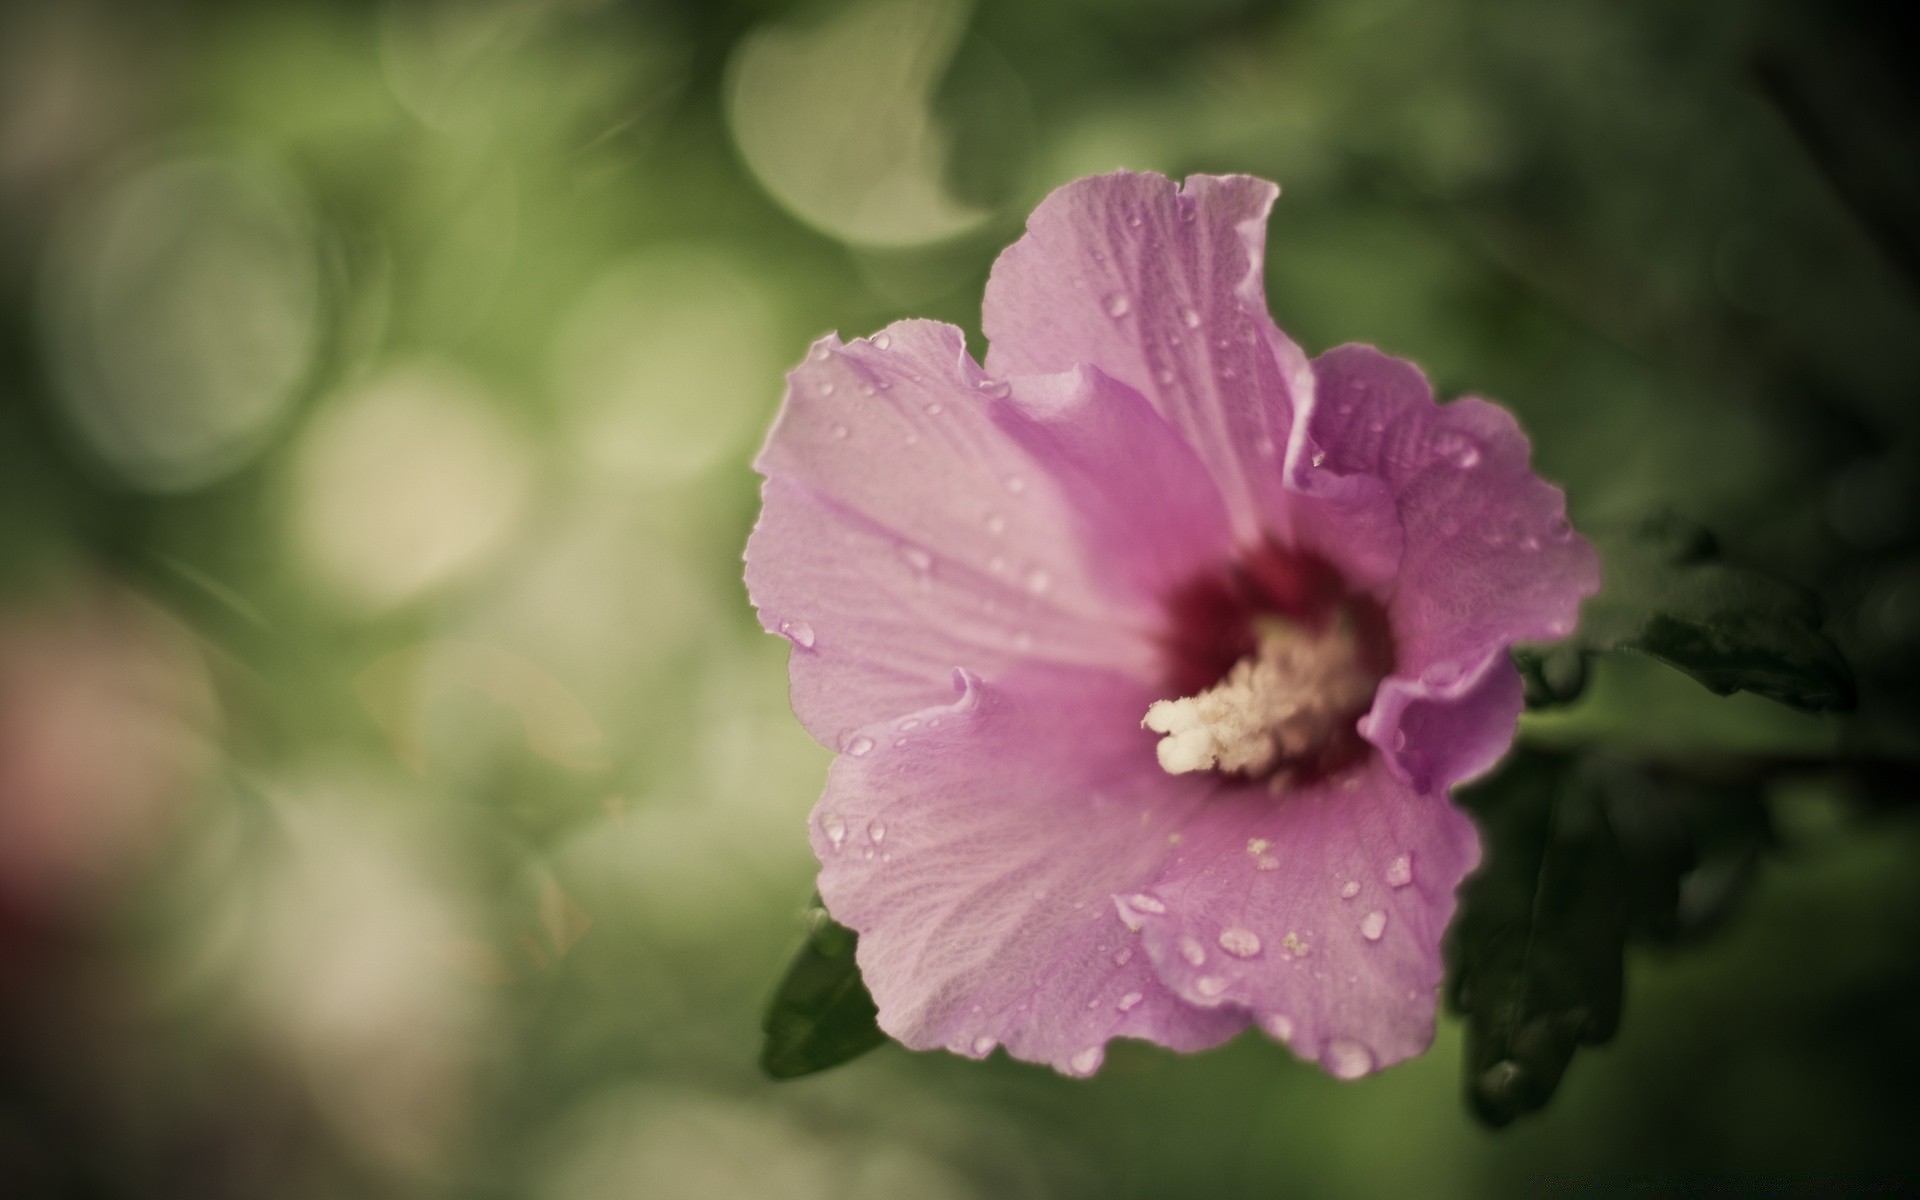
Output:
x=1320 y=911
x=978 y=848
x=1161 y=288
x=905 y=531
x=1488 y=557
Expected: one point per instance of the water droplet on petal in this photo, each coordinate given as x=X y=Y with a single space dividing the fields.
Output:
x=835 y=829
x=1319 y=458
x=799 y=633
x=1400 y=871
x=1192 y=950
x=1117 y=305
x=1129 y=1000
x=1209 y=985
x=1188 y=317
x=1277 y=1026
x=1350 y=889
x=1373 y=925
x=860 y=746
x=1266 y=862
x=1039 y=582
x=983 y=1045
x=935 y=409
x=1146 y=903
x=840 y=431
x=820 y=353
x=996 y=388
x=1087 y=1061
x=826 y=389
x=1241 y=943
x=1124 y=957
x=917 y=558
x=996 y=524
x=1016 y=485
x=1163 y=376
x=1348 y=1059
x=882 y=341
x=877 y=830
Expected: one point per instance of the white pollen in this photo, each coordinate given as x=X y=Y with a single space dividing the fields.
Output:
x=1295 y=692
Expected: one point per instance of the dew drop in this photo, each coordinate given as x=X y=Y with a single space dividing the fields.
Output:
x=1188 y=317
x=1016 y=485
x=1350 y=889
x=840 y=432
x=1400 y=871
x=996 y=524
x=996 y=388
x=882 y=341
x=1124 y=957
x=1319 y=458
x=836 y=831
x=1399 y=739
x=1146 y=903
x=877 y=830
x=1348 y=1059
x=1241 y=943
x=1192 y=950
x=983 y=1045
x=1278 y=1026
x=917 y=558
x=1117 y=305
x=1258 y=846
x=866 y=389
x=820 y=352
x=1209 y=985
x=799 y=633
x=1086 y=1062
x=1373 y=925
x=935 y=409
x=1163 y=376
x=1266 y=862
x=860 y=746
x=1039 y=583
x=826 y=389
x=1129 y=1000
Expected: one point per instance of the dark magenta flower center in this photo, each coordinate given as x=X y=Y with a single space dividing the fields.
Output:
x=1274 y=660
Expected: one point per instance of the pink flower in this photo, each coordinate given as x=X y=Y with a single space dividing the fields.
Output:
x=1151 y=649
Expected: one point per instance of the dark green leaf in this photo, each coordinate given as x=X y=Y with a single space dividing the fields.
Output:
x=1666 y=594
x=821 y=1014
x=1583 y=856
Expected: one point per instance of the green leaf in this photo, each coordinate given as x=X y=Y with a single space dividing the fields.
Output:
x=1584 y=855
x=1667 y=594
x=821 y=1014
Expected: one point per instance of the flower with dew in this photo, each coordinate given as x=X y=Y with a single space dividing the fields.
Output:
x=1151 y=649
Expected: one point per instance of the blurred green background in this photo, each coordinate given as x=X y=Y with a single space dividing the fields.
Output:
x=397 y=796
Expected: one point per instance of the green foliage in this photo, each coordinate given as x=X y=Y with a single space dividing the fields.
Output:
x=1585 y=855
x=820 y=1015
x=1666 y=593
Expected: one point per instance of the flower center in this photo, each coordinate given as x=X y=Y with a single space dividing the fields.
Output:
x=1296 y=695
x=1272 y=663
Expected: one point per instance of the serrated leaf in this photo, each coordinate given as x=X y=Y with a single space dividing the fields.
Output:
x=820 y=1015
x=1584 y=855
x=1667 y=594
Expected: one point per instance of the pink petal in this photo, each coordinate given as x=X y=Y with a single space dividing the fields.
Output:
x=1488 y=558
x=1321 y=912
x=1161 y=288
x=905 y=531
x=979 y=847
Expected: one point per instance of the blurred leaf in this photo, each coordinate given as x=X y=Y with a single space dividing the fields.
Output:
x=1584 y=855
x=1666 y=594
x=821 y=1015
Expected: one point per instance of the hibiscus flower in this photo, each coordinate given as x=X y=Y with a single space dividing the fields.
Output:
x=1150 y=649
